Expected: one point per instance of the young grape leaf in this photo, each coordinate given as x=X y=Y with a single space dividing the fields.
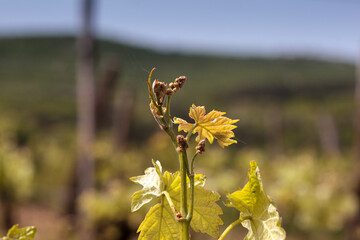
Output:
x=173 y=180
x=245 y=199
x=206 y=212
x=260 y=215
x=152 y=186
x=16 y=233
x=159 y=224
x=210 y=126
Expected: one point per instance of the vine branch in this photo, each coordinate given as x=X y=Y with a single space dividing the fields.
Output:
x=231 y=226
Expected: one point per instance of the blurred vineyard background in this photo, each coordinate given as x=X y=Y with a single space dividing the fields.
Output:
x=296 y=120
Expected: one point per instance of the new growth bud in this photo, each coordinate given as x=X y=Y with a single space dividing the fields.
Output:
x=172 y=86
x=182 y=143
x=180 y=81
x=159 y=89
x=200 y=148
x=177 y=84
x=169 y=92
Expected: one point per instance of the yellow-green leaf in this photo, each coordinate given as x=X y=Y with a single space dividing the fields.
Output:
x=259 y=213
x=206 y=212
x=16 y=233
x=152 y=186
x=159 y=224
x=245 y=199
x=209 y=126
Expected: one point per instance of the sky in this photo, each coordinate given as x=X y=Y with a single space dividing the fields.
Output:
x=324 y=28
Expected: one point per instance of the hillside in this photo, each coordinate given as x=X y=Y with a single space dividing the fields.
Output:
x=38 y=78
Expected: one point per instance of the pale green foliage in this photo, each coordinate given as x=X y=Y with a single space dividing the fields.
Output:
x=322 y=185
x=259 y=214
x=108 y=204
x=159 y=224
x=16 y=171
x=206 y=212
x=209 y=126
x=151 y=183
x=16 y=233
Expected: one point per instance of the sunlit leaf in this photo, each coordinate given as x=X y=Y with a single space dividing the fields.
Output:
x=245 y=199
x=261 y=217
x=152 y=186
x=206 y=212
x=159 y=224
x=16 y=233
x=209 y=126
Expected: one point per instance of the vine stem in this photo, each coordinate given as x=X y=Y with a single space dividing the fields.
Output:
x=183 y=195
x=168 y=111
x=192 y=163
x=192 y=189
x=192 y=194
x=190 y=132
x=231 y=226
x=185 y=230
x=172 y=205
x=166 y=124
x=184 y=172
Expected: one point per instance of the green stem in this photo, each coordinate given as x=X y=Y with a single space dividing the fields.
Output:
x=192 y=189
x=190 y=132
x=185 y=230
x=168 y=111
x=185 y=224
x=192 y=163
x=171 y=134
x=163 y=120
x=183 y=184
x=192 y=192
x=231 y=226
x=168 y=124
x=172 y=205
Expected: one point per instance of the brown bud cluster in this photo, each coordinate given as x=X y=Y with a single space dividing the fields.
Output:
x=160 y=89
x=180 y=81
x=174 y=86
x=182 y=143
x=169 y=92
x=177 y=84
x=200 y=148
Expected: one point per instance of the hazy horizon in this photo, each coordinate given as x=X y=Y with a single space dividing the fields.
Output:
x=315 y=28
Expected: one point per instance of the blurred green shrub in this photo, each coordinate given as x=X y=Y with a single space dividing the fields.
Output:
x=16 y=171
x=16 y=168
x=314 y=194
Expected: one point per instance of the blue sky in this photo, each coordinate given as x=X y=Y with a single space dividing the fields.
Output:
x=327 y=28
